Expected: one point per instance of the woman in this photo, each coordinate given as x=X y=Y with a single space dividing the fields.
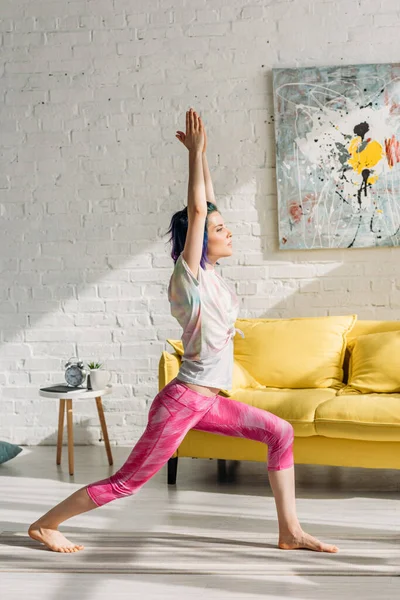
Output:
x=206 y=307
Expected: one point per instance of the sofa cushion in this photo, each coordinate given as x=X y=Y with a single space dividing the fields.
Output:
x=296 y=406
x=371 y=365
x=360 y=417
x=362 y=327
x=294 y=353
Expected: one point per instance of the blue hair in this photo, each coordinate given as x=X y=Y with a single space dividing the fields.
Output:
x=178 y=229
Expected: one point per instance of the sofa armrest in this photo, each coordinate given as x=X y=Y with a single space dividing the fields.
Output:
x=168 y=368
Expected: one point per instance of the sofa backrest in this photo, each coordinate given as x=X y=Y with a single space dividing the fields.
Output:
x=360 y=328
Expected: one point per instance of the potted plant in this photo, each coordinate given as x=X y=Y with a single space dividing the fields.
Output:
x=94 y=379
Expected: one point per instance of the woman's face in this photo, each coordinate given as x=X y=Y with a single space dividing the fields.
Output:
x=219 y=238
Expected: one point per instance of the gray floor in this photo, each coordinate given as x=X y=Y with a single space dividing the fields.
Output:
x=332 y=503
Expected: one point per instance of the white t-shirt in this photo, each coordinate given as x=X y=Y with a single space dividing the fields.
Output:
x=206 y=308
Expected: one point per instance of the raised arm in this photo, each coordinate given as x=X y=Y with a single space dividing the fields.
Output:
x=210 y=197
x=197 y=204
x=194 y=143
x=207 y=180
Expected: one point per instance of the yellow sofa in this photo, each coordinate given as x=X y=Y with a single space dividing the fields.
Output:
x=332 y=427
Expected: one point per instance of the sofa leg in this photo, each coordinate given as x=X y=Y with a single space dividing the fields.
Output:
x=172 y=470
x=227 y=470
x=231 y=470
x=222 y=475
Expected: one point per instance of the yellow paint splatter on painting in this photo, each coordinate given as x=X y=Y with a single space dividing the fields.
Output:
x=367 y=158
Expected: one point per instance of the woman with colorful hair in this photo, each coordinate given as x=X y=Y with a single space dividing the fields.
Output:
x=206 y=307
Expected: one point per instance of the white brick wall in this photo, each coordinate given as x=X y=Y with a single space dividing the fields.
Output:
x=92 y=94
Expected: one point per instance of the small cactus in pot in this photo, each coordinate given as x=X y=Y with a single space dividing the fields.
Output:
x=92 y=366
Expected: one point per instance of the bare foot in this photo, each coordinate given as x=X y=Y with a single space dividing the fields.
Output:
x=53 y=539
x=301 y=539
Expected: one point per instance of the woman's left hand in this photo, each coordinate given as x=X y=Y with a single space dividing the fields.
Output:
x=181 y=137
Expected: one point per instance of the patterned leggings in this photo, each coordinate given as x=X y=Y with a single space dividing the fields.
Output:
x=176 y=409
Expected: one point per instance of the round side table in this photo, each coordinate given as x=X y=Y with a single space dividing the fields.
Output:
x=66 y=404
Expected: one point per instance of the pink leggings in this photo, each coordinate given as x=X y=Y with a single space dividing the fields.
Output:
x=176 y=409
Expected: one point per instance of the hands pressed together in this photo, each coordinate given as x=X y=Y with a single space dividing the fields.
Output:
x=195 y=137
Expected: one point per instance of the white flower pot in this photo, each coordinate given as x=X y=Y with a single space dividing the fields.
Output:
x=99 y=378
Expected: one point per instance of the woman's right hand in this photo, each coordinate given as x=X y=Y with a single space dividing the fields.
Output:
x=194 y=137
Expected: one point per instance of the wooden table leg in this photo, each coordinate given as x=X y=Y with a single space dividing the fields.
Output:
x=104 y=429
x=70 y=437
x=61 y=412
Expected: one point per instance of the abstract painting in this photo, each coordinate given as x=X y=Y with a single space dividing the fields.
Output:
x=338 y=152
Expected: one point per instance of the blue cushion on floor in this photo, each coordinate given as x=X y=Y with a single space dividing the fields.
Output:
x=8 y=451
